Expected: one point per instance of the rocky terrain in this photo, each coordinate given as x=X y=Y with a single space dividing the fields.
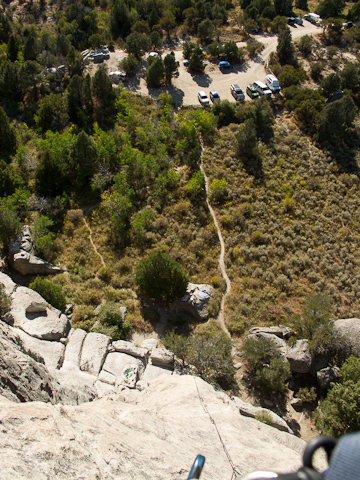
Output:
x=92 y=408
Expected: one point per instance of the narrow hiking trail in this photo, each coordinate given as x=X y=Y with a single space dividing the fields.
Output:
x=93 y=244
x=222 y=266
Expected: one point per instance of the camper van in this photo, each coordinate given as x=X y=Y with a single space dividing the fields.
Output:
x=312 y=18
x=262 y=89
x=273 y=83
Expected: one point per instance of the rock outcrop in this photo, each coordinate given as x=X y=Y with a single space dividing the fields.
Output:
x=299 y=357
x=348 y=330
x=119 y=411
x=154 y=434
x=196 y=300
x=23 y=259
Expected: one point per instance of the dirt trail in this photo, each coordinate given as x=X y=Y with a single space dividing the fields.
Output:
x=222 y=266
x=93 y=244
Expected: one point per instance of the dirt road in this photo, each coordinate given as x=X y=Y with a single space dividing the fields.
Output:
x=186 y=86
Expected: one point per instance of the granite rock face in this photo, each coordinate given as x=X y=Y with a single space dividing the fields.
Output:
x=299 y=357
x=153 y=434
x=348 y=329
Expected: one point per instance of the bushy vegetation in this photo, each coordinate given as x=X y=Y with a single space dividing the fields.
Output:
x=209 y=350
x=160 y=276
x=339 y=412
x=112 y=321
x=5 y=301
x=52 y=293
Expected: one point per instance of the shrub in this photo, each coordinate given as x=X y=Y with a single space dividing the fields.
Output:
x=52 y=293
x=316 y=69
x=5 y=301
x=272 y=378
x=315 y=323
x=219 y=192
x=339 y=413
x=259 y=352
x=210 y=353
x=111 y=316
x=160 y=276
x=264 y=417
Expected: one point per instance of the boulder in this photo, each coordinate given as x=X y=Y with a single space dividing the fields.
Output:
x=127 y=347
x=162 y=357
x=73 y=348
x=299 y=357
x=278 y=342
x=31 y=313
x=94 y=351
x=23 y=258
x=348 y=330
x=249 y=410
x=49 y=353
x=327 y=375
x=27 y=264
x=22 y=379
x=196 y=300
x=125 y=368
x=152 y=372
x=9 y=285
x=280 y=331
x=149 y=343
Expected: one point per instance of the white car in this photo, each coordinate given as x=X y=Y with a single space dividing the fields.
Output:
x=203 y=98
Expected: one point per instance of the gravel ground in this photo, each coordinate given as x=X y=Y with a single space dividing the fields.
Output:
x=185 y=87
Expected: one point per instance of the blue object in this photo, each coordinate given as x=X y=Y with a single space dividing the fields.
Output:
x=224 y=64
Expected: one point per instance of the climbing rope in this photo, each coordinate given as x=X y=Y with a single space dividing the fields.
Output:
x=235 y=469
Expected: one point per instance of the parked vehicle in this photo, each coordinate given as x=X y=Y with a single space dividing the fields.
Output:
x=236 y=92
x=225 y=65
x=262 y=89
x=186 y=62
x=299 y=21
x=252 y=92
x=273 y=83
x=312 y=18
x=291 y=21
x=203 y=98
x=214 y=96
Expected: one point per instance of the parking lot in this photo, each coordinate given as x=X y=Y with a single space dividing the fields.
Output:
x=185 y=87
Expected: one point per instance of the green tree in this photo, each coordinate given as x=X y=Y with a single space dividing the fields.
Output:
x=155 y=73
x=52 y=113
x=137 y=44
x=188 y=49
x=305 y=45
x=13 y=48
x=196 y=185
x=129 y=65
x=335 y=120
x=159 y=276
x=273 y=377
x=302 y=4
x=178 y=344
x=283 y=7
x=171 y=66
x=285 y=49
x=246 y=140
x=330 y=8
x=205 y=30
x=43 y=237
x=225 y=112
x=31 y=46
x=330 y=84
x=104 y=96
x=49 y=291
x=315 y=323
x=10 y=226
x=84 y=160
x=196 y=62
x=7 y=135
x=339 y=413
x=350 y=76
x=9 y=180
x=120 y=19
x=289 y=75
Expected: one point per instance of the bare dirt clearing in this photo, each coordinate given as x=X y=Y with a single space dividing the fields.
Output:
x=185 y=87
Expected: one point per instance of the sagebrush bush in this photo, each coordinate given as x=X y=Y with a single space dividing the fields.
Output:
x=52 y=293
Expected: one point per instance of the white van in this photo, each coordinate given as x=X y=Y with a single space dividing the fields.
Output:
x=273 y=83
x=262 y=88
